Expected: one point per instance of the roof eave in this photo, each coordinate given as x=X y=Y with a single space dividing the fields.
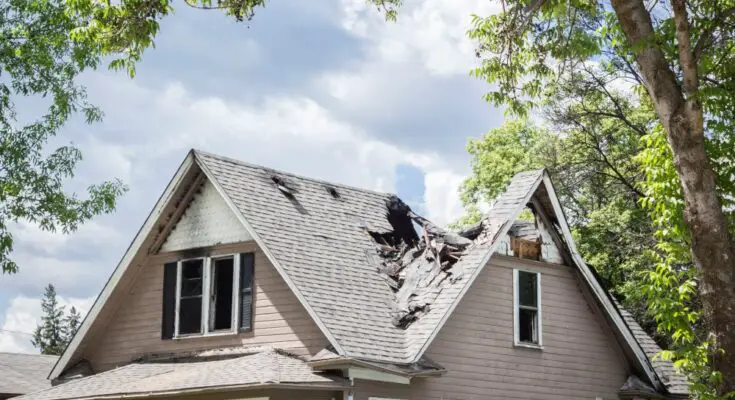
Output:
x=63 y=361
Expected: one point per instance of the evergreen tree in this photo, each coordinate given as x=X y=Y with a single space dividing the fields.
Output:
x=50 y=335
x=71 y=322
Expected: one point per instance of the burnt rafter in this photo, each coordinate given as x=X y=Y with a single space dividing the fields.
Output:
x=415 y=265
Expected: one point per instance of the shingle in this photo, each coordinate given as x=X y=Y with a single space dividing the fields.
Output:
x=675 y=382
x=267 y=367
x=24 y=373
x=319 y=242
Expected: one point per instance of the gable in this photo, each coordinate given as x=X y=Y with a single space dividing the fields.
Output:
x=579 y=359
x=279 y=319
x=207 y=221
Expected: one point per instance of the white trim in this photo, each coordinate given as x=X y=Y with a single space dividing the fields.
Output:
x=236 y=293
x=122 y=266
x=598 y=291
x=501 y=232
x=208 y=265
x=373 y=375
x=516 y=315
x=269 y=255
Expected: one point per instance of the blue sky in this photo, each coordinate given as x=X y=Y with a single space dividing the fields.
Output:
x=326 y=89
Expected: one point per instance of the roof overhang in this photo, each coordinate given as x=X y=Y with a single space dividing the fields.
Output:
x=399 y=373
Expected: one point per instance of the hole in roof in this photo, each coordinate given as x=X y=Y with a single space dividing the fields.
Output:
x=333 y=192
x=284 y=185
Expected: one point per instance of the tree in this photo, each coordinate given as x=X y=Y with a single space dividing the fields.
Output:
x=681 y=53
x=51 y=334
x=38 y=60
x=71 y=324
x=57 y=328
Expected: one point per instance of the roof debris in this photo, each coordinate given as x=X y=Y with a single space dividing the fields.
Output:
x=414 y=267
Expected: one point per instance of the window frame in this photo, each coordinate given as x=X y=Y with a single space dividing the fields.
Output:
x=207 y=272
x=517 y=307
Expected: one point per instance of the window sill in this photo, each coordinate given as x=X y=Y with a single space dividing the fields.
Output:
x=210 y=334
x=529 y=346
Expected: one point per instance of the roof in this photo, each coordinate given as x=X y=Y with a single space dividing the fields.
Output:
x=267 y=368
x=24 y=373
x=675 y=382
x=316 y=234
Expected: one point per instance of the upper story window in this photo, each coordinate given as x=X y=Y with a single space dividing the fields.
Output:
x=208 y=295
x=527 y=308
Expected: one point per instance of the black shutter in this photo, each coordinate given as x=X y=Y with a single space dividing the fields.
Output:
x=247 y=267
x=168 y=316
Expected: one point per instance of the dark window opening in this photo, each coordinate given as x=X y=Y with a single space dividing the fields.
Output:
x=528 y=308
x=221 y=303
x=527 y=328
x=190 y=300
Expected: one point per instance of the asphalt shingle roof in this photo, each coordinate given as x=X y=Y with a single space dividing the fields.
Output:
x=675 y=382
x=24 y=373
x=267 y=367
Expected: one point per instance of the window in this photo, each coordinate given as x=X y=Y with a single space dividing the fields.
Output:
x=208 y=295
x=527 y=308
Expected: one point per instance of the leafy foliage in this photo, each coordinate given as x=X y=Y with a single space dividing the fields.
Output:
x=57 y=328
x=38 y=60
x=564 y=58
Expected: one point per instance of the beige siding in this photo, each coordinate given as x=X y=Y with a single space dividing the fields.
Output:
x=135 y=328
x=271 y=394
x=580 y=359
x=364 y=389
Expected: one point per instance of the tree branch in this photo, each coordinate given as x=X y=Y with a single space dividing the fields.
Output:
x=686 y=55
x=705 y=39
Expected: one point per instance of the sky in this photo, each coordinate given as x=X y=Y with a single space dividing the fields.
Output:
x=326 y=89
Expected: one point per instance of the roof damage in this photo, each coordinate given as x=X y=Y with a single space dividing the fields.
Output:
x=415 y=265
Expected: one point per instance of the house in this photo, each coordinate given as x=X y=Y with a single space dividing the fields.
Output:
x=24 y=373
x=250 y=283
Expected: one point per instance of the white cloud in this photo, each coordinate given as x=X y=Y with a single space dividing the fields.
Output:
x=442 y=196
x=434 y=32
x=23 y=315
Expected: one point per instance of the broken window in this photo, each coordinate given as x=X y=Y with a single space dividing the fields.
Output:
x=190 y=296
x=527 y=303
x=210 y=293
x=222 y=286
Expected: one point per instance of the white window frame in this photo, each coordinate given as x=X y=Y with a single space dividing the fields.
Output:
x=516 y=314
x=207 y=272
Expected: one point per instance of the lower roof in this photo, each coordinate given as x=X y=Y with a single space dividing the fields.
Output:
x=24 y=373
x=271 y=368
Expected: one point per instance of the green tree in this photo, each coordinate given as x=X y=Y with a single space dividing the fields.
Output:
x=71 y=324
x=57 y=328
x=38 y=60
x=51 y=334
x=679 y=52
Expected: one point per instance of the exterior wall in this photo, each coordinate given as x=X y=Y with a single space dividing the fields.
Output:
x=580 y=358
x=363 y=390
x=135 y=328
x=270 y=394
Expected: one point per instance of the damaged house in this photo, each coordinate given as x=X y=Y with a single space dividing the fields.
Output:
x=250 y=283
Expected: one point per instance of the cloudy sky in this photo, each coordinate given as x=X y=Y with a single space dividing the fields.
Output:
x=328 y=90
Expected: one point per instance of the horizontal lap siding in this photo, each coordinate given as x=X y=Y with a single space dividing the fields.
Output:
x=580 y=360
x=271 y=394
x=279 y=320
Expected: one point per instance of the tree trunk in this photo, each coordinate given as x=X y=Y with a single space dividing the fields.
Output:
x=682 y=119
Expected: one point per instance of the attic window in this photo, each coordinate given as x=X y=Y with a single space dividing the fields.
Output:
x=208 y=295
x=527 y=308
x=333 y=192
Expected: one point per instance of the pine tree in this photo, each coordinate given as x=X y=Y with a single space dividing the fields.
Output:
x=71 y=322
x=51 y=334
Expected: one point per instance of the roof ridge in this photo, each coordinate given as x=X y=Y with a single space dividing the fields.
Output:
x=290 y=174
